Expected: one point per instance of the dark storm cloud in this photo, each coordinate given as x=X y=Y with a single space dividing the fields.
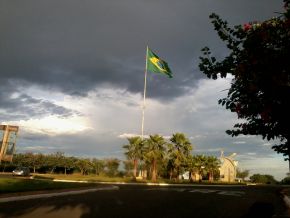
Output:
x=74 y=46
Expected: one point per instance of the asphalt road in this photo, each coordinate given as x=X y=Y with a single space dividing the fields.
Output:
x=151 y=201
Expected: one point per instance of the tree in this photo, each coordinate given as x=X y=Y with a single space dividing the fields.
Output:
x=55 y=160
x=211 y=165
x=20 y=159
x=242 y=174
x=98 y=165
x=155 y=152
x=134 y=151
x=285 y=181
x=264 y=179
x=38 y=160
x=67 y=163
x=84 y=165
x=196 y=165
x=128 y=166
x=112 y=166
x=179 y=151
x=170 y=167
x=259 y=64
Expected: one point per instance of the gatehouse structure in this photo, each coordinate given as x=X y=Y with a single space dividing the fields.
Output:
x=228 y=169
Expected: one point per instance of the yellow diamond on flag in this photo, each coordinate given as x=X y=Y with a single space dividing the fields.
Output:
x=158 y=63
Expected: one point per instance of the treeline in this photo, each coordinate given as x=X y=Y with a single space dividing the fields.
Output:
x=59 y=163
x=157 y=157
x=265 y=179
x=151 y=158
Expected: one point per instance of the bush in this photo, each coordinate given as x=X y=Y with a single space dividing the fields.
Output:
x=263 y=179
x=285 y=181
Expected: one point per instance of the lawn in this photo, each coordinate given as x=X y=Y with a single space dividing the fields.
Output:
x=79 y=177
x=103 y=178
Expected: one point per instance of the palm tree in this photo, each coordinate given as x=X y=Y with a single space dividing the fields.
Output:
x=155 y=151
x=170 y=160
x=179 y=151
x=196 y=165
x=134 y=151
x=212 y=165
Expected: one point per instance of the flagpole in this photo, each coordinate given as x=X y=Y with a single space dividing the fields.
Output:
x=144 y=97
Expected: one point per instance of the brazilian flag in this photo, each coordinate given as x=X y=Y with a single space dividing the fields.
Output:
x=156 y=65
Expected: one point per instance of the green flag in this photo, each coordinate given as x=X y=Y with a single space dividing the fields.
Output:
x=156 y=65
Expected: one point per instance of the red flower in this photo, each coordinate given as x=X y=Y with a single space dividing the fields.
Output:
x=247 y=26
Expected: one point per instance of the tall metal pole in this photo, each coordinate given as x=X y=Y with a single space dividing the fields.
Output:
x=144 y=97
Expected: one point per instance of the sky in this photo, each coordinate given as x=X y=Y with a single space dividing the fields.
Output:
x=72 y=76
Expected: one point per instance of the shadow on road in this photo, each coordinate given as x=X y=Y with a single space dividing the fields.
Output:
x=260 y=209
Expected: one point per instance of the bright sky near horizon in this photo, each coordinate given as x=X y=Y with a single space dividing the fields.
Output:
x=72 y=75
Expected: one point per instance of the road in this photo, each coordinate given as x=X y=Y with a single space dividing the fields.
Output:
x=154 y=201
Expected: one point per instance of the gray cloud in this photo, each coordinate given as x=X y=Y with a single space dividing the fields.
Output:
x=16 y=105
x=86 y=143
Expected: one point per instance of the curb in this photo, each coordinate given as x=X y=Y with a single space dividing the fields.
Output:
x=287 y=203
x=152 y=184
x=286 y=199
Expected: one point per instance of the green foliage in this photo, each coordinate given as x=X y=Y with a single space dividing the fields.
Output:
x=67 y=163
x=204 y=165
x=264 y=179
x=242 y=173
x=128 y=166
x=55 y=160
x=258 y=60
x=179 y=152
x=58 y=163
x=211 y=166
x=156 y=156
x=285 y=181
x=98 y=165
x=84 y=165
x=112 y=166
x=134 y=151
x=197 y=163
x=169 y=159
x=155 y=152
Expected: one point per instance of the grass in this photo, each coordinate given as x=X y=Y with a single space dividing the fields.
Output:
x=10 y=185
x=103 y=178
x=79 y=177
